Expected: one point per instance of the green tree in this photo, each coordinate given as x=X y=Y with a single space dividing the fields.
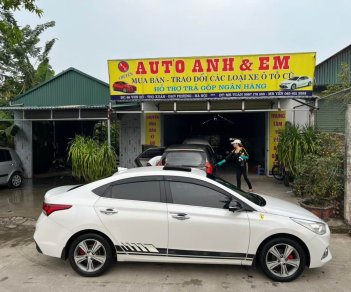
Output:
x=23 y=63
x=8 y=6
x=19 y=50
x=340 y=90
x=100 y=134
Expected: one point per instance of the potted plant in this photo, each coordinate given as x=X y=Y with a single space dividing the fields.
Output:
x=319 y=178
x=90 y=159
x=294 y=143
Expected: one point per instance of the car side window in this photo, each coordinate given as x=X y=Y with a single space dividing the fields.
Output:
x=5 y=155
x=195 y=195
x=148 y=191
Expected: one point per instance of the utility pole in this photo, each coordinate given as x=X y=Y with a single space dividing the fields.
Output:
x=109 y=113
x=347 y=195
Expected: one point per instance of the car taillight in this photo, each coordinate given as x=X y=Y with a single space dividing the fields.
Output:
x=209 y=168
x=50 y=208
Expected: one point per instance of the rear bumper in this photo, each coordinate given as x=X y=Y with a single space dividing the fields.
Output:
x=50 y=237
x=37 y=247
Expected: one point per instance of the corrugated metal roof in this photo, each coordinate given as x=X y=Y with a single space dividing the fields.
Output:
x=70 y=87
x=20 y=108
x=327 y=72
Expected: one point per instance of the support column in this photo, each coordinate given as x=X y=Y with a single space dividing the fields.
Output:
x=130 y=144
x=347 y=195
x=24 y=144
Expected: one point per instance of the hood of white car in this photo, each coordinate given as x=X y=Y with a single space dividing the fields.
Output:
x=287 y=209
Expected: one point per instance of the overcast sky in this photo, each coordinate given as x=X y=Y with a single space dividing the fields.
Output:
x=90 y=32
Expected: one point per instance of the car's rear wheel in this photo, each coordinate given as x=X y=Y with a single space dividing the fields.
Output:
x=90 y=255
x=15 y=180
x=293 y=86
x=282 y=259
x=309 y=83
x=124 y=90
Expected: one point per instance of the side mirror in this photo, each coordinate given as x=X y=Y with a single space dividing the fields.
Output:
x=235 y=206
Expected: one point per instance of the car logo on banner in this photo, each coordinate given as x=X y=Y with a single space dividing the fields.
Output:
x=123 y=66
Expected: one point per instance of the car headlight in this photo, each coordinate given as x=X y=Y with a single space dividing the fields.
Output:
x=317 y=227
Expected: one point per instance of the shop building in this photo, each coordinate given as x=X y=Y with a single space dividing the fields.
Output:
x=212 y=104
x=215 y=98
x=52 y=113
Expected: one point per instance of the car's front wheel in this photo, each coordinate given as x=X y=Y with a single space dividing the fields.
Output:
x=282 y=259
x=293 y=86
x=15 y=180
x=90 y=255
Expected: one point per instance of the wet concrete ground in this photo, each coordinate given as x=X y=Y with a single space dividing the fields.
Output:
x=27 y=200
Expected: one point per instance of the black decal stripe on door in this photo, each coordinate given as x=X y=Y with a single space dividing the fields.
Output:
x=200 y=253
x=126 y=248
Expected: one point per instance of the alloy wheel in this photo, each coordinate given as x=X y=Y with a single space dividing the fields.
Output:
x=16 y=180
x=90 y=255
x=283 y=260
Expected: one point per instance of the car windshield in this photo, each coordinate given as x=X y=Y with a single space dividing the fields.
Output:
x=254 y=198
x=294 y=78
x=185 y=158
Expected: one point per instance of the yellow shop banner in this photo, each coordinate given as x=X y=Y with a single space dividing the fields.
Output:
x=224 y=77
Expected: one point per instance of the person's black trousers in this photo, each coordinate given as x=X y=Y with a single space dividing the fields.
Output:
x=242 y=170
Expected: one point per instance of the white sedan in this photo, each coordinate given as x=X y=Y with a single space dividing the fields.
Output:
x=296 y=82
x=171 y=215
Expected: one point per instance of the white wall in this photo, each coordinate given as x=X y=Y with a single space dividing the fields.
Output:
x=301 y=115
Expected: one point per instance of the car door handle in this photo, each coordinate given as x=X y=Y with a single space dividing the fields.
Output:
x=180 y=216
x=109 y=211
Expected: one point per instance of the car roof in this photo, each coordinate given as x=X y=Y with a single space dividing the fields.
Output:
x=6 y=148
x=159 y=170
x=197 y=141
x=197 y=147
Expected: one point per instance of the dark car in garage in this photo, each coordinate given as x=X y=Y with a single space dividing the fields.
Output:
x=182 y=155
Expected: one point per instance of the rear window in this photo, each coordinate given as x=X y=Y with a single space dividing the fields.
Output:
x=148 y=191
x=185 y=158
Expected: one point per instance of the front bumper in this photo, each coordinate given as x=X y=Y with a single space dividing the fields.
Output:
x=319 y=250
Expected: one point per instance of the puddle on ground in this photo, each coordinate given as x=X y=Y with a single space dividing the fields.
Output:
x=27 y=200
x=19 y=236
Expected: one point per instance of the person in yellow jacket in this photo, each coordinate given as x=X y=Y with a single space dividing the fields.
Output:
x=240 y=157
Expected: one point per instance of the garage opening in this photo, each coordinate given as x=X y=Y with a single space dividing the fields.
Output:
x=50 y=143
x=250 y=128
